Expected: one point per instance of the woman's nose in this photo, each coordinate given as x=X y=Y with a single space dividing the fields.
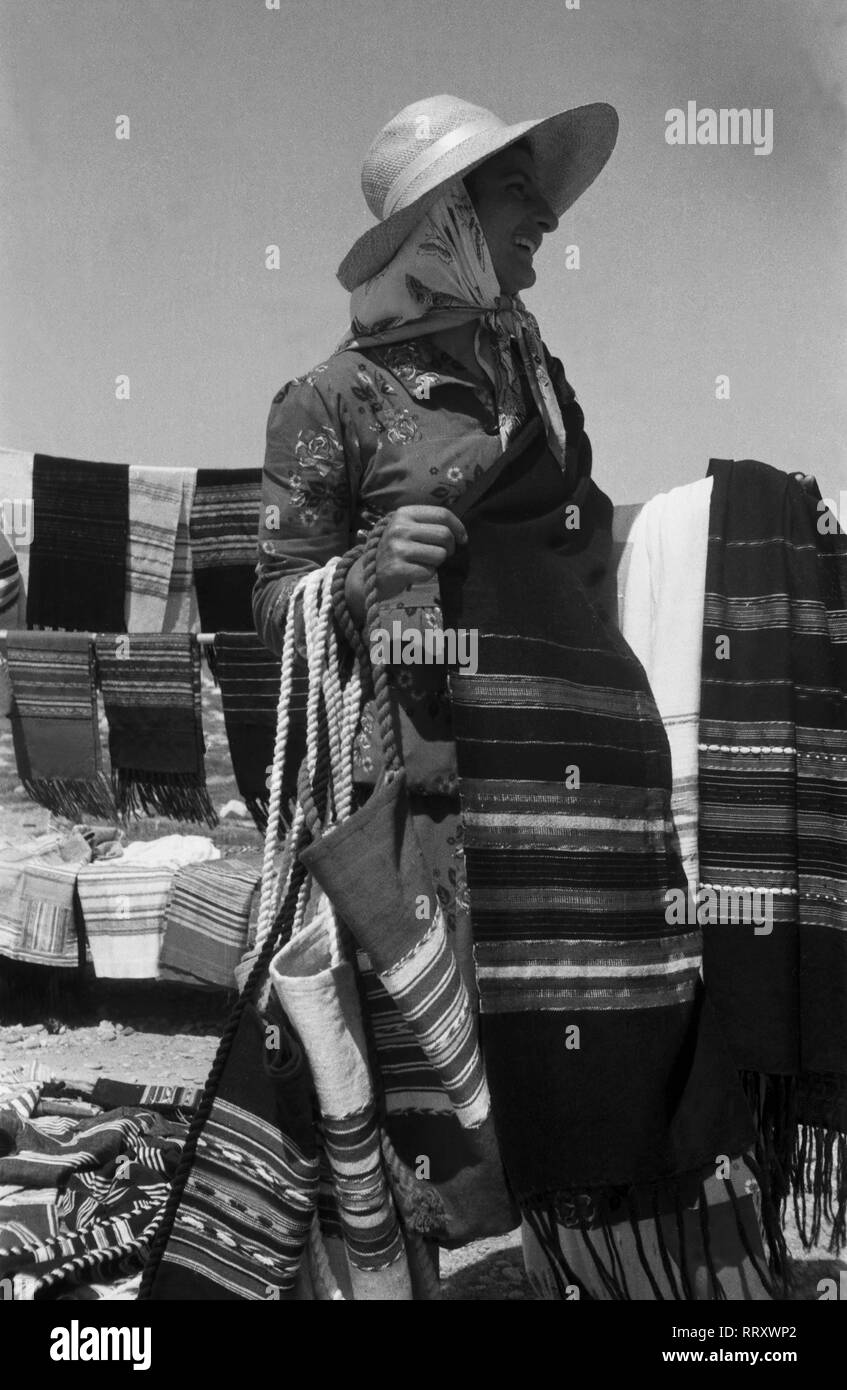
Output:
x=545 y=216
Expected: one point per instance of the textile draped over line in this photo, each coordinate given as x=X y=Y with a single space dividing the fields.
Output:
x=54 y=723
x=155 y=503
x=207 y=919
x=773 y=807
x=224 y=524
x=661 y=617
x=248 y=675
x=77 y=566
x=151 y=693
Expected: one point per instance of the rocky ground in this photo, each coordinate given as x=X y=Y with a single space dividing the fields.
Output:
x=167 y=1033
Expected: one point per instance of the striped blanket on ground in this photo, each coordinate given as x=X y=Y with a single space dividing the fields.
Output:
x=38 y=920
x=124 y=901
x=54 y=723
x=89 y=1193
x=609 y=1079
x=152 y=699
x=773 y=812
x=207 y=918
x=224 y=527
x=77 y=565
x=155 y=502
x=248 y=675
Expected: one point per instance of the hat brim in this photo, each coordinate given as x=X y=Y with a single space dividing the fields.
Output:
x=569 y=151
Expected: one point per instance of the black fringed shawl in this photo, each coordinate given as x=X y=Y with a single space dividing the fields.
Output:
x=224 y=525
x=605 y=1063
x=773 y=817
x=248 y=675
x=54 y=723
x=151 y=695
x=77 y=562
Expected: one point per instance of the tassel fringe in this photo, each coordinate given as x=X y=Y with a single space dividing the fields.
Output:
x=672 y=1277
x=178 y=795
x=802 y=1150
x=75 y=799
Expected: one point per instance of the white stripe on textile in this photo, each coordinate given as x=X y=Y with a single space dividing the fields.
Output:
x=155 y=503
x=662 y=620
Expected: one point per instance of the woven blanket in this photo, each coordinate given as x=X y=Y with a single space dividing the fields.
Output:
x=181 y=612
x=248 y=675
x=112 y=1175
x=244 y=1216
x=661 y=617
x=773 y=811
x=124 y=915
x=155 y=502
x=124 y=901
x=77 y=566
x=151 y=694
x=16 y=498
x=54 y=723
x=605 y=1063
x=207 y=919
x=38 y=919
x=224 y=527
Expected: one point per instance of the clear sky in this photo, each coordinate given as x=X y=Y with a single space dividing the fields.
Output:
x=248 y=126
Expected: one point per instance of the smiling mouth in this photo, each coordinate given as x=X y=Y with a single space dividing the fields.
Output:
x=523 y=243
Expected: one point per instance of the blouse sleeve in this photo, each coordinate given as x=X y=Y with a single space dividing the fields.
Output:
x=307 y=500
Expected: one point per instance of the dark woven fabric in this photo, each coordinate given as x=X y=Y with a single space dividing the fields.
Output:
x=151 y=694
x=113 y=1172
x=248 y=675
x=244 y=1216
x=605 y=1063
x=773 y=807
x=54 y=723
x=224 y=525
x=77 y=562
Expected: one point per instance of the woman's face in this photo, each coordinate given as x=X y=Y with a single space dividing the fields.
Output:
x=513 y=212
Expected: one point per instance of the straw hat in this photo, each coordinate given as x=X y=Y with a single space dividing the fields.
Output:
x=442 y=138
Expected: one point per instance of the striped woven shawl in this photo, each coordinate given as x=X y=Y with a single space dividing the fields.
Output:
x=248 y=675
x=155 y=502
x=224 y=526
x=151 y=694
x=77 y=564
x=773 y=812
x=207 y=919
x=604 y=1061
x=54 y=723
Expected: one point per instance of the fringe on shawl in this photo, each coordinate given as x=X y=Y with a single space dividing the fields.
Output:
x=804 y=1162
x=543 y=1216
x=178 y=795
x=74 y=798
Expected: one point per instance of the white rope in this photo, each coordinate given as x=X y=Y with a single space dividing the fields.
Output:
x=267 y=898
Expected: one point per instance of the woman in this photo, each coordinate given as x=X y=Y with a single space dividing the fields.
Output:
x=634 y=1184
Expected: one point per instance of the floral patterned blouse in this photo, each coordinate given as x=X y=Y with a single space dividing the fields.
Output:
x=358 y=436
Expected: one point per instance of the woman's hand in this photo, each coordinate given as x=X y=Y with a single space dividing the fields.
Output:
x=416 y=540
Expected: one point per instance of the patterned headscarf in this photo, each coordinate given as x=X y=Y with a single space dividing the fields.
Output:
x=443 y=276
